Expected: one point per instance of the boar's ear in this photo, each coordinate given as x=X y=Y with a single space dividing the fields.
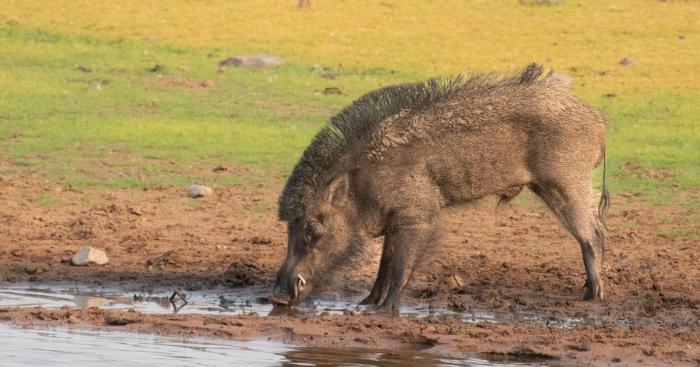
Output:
x=338 y=190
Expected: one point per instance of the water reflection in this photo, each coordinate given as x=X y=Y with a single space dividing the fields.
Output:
x=62 y=347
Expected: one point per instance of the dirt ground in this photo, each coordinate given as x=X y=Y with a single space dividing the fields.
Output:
x=517 y=262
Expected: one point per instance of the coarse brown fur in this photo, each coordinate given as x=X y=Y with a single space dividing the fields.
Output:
x=389 y=162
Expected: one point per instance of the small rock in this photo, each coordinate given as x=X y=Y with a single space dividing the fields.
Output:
x=157 y=68
x=252 y=61
x=218 y=169
x=332 y=90
x=134 y=211
x=452 y=282
x=89 y=254
x=17 y=253
x=627 y=62
x=198 y=191
x=681 y=36
x=31 y=270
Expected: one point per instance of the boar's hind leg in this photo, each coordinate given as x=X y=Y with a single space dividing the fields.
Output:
x=571 y=203
x=381 y=285
x=409 y=244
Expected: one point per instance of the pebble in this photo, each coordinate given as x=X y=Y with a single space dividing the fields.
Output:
x=89 y=254
x=332 y=90
x=198 y=191
x=452 y=282
x=252 y=61
x=627 y=62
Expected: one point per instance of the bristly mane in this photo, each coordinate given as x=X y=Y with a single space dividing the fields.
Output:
x=349 y=130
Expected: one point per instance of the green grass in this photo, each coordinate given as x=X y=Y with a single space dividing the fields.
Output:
x=47 y=201
x=122 y=126
x=680 y=234
x=659 y=131
x=55 y=121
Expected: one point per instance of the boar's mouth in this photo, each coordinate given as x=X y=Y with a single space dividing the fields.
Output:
x=293 y=297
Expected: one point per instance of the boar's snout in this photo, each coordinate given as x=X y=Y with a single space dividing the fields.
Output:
x=289 y=291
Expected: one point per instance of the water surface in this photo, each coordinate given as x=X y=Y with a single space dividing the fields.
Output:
x=77 y=348
x=229 y=302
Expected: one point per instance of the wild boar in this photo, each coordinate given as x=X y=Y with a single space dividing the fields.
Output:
x=388 y=163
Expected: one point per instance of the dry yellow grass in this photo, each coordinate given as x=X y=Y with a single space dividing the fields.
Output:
x=584 y=38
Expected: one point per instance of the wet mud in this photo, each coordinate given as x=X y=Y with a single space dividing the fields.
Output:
x=520 y=276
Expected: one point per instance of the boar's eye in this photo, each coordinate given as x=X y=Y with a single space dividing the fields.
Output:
x=312 y=231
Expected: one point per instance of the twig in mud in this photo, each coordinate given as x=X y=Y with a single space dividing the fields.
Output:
x=177 y=293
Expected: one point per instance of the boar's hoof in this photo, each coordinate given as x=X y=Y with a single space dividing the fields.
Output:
x=370 y=300
x=593 y=293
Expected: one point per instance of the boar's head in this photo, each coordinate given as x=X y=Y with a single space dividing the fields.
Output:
x=324 y=238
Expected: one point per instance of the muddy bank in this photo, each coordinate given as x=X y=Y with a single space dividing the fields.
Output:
x=242 y=315
x=516 y=261
x=447 y=336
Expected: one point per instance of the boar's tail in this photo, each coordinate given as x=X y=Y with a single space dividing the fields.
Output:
x=604 y=203
x=531 y=73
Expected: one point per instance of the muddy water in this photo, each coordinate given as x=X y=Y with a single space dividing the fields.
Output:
x=65 y=347
x=231 y=302
x=198 y=302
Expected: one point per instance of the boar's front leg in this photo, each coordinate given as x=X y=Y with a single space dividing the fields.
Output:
x=381 y=284
x=409 y=243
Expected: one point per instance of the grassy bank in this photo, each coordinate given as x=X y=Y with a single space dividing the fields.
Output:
x=124 y=95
